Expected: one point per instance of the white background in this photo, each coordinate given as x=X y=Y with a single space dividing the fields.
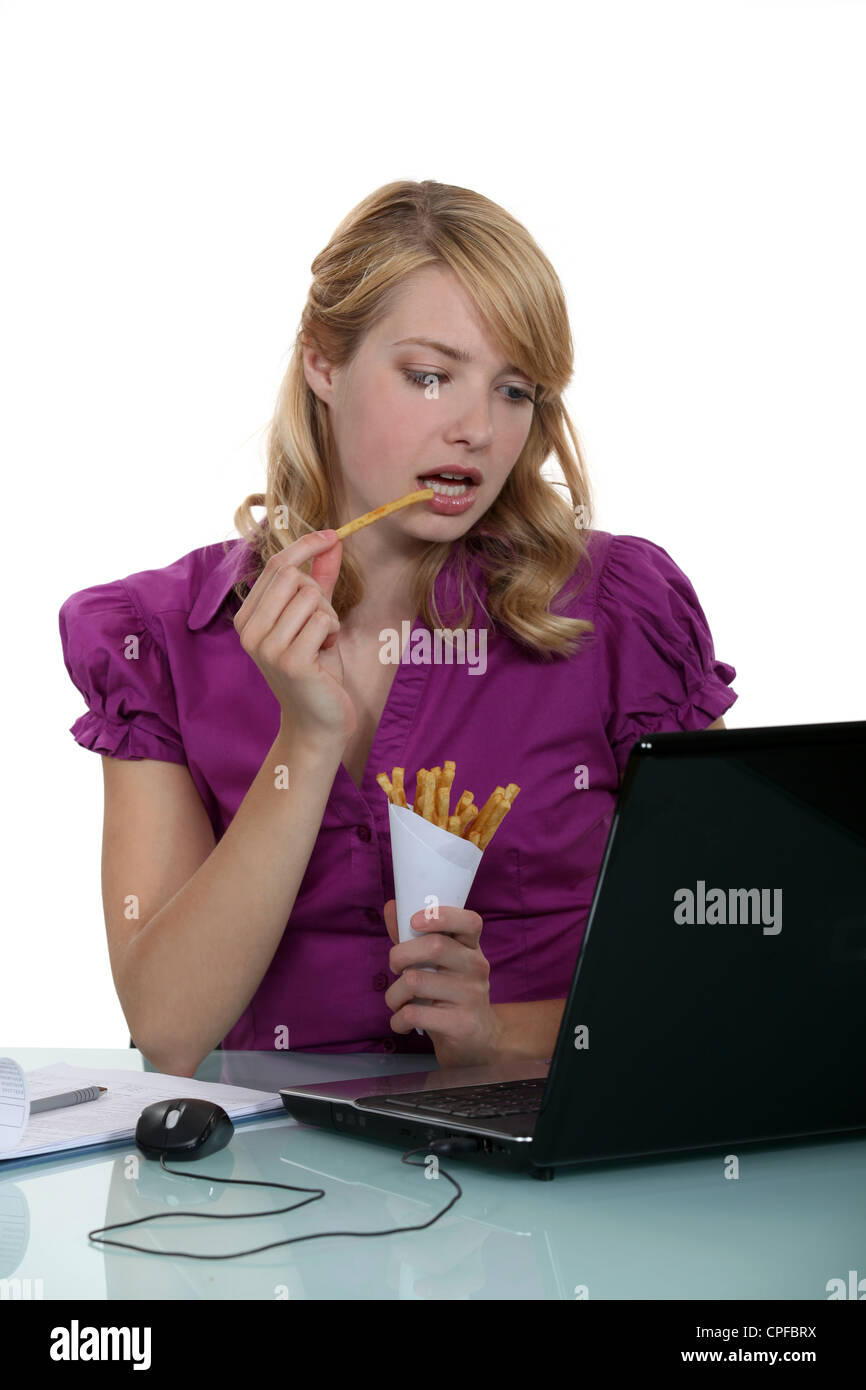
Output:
x=693 y=170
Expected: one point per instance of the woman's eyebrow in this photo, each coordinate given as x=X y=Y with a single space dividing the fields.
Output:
x=459 y=354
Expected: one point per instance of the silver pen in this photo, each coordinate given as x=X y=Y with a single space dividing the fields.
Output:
x=70 y=1098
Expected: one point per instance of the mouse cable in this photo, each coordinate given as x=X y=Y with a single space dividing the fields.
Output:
x=442 y=1147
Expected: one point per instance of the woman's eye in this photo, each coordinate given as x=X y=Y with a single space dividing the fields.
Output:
x=425 y=379
x=521 y=395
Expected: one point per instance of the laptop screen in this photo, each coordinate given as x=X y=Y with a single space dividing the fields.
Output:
x=720 y=991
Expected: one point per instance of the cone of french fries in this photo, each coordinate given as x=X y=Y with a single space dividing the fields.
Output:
x=435 y=852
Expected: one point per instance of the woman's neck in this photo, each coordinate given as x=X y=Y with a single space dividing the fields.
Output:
x=387 y=576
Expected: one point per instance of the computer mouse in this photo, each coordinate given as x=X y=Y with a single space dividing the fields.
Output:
x=183 y=1129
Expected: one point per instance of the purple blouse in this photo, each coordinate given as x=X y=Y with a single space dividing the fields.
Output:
x=192 y=695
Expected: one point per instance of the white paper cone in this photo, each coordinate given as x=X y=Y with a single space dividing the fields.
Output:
x=429 y=863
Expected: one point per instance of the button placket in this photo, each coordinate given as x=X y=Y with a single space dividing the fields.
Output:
x=389 y=740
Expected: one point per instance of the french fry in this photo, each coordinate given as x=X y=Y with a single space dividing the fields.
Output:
x=497 y=816
x=385 y=784
x=443 y=795
x=466 y=799
x=420 y=495
x=428 y=801
x=467 y=815
x=495 y=819
x=420 y=779
x=399 y=796
x=486 y=810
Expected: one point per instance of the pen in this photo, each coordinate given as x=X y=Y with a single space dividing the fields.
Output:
x=70 y=1098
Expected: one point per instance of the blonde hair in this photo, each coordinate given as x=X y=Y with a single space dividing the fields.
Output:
x=527 y=542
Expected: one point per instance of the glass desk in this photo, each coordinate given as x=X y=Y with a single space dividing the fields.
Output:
x=657 y=1229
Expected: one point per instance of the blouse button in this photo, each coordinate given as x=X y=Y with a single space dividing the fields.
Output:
x=373 y=915
x=364 y=833
x=380 y=981
x=389 y=1045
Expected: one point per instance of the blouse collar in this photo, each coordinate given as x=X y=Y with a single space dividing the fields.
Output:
x=239 y=556
x=219 y=584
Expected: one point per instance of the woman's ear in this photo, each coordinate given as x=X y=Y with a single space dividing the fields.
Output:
x=317 y=372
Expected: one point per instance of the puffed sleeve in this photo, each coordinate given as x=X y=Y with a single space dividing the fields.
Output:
x=662 y=673
x=122 y=672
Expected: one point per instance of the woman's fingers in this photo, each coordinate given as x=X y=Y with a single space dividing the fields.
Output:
x=390 y=915
x=289 y=588
x=325 y=568
x=283 y=608
x=449 y=944
x=288 y=562
x=443 y=986
x=308 y=643
x=283 y=625
x=295 y=638
x=464 y=925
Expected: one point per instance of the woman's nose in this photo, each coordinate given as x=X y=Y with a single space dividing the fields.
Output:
x=473 y=422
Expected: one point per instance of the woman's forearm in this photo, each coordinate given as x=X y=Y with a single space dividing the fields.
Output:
x=193 y=968
x=528 y=1031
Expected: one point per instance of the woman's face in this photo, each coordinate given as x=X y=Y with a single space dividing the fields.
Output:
x=404 y=412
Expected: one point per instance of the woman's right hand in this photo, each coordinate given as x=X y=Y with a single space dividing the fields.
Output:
x=288 y=627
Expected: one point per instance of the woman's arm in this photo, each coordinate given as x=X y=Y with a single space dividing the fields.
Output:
x=528 y=1030
x=186 y=975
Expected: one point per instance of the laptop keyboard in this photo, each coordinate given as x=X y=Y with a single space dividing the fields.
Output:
x=491 y=1099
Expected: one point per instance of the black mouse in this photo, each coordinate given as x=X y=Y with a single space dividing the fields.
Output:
x=183 y=1129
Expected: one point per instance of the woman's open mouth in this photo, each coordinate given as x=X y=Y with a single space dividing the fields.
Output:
x=455 y=491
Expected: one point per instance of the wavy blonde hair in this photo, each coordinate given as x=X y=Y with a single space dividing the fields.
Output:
x=527 y=542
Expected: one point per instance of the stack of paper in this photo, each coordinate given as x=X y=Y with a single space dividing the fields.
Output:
x=111 y=1118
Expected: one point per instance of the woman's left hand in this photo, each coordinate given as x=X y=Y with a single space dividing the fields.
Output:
x=461 y=1021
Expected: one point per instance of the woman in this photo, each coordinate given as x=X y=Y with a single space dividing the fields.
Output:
x=246 y=697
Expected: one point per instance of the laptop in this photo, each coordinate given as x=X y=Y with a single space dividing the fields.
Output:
x=719 y=993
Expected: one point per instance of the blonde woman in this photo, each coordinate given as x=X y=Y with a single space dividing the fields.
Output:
x=245 y=697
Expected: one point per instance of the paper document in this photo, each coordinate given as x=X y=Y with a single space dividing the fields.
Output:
x=14 y=1103
x=115 y=1114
